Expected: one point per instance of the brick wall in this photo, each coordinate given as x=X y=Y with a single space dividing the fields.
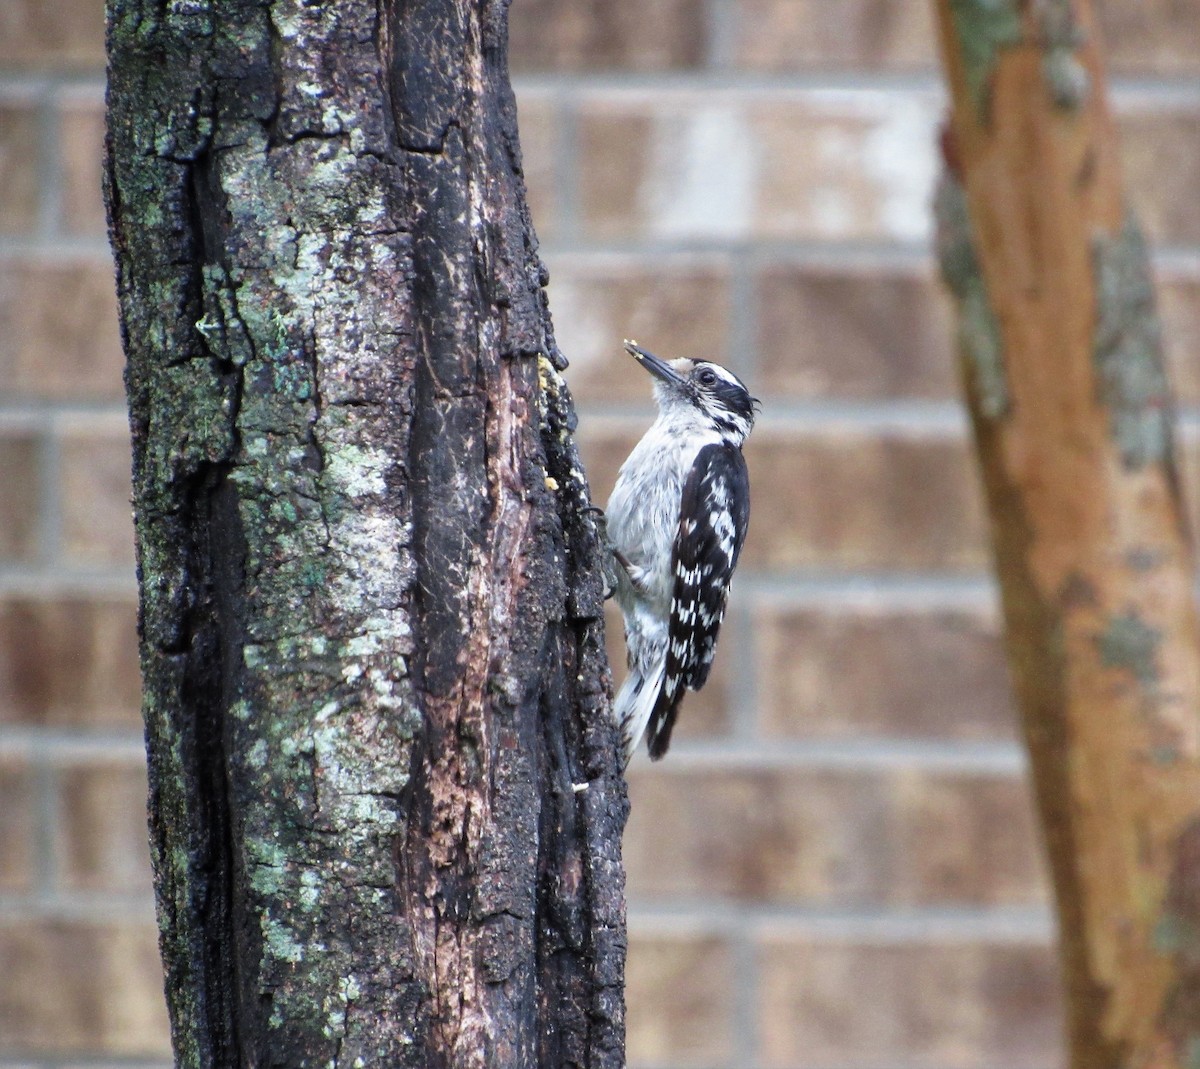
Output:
x=837 y=867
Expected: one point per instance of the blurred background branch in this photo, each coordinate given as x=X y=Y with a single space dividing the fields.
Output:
x=1065 y=379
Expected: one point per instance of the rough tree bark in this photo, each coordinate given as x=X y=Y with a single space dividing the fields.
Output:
x=370 y=610
x=1072 y=419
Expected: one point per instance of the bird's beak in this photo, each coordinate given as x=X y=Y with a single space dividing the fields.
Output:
x=657 y=367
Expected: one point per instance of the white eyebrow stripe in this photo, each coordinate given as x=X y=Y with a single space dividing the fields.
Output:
x=725 y=374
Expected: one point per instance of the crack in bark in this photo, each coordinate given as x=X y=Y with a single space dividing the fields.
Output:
x=334 y=398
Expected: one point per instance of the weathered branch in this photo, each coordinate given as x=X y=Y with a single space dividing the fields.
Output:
x=371 y=616
x=1072 y=417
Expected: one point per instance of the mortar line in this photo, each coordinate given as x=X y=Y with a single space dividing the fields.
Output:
x=39 y=411
x=871 y=925
x=882 y=591
x=45 y=582
x=939 y=419
x=86 y=1061
x=867 y=755
x=721 y=51
x=52 y=246
x=854 y=251
x=743 y=690
x=865 y=253
x=79 y=905
x=567 y=186
x=16 y=418
x=51 y=80
x=742 y=342
x=1178 y=90
x=47 y=819
x=746 y=84
x=746 y=999
x=59 y=746
x=50 y=510
x=48 y=167
x=23 y=88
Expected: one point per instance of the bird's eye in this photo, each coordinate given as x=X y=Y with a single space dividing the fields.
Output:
x=707 y=377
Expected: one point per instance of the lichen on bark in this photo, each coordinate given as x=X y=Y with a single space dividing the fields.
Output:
x=371 y=633
x=1128 y=348
x=979 y=342
x=984 y=28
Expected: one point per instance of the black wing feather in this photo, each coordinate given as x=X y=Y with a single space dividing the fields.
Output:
x=713 y=516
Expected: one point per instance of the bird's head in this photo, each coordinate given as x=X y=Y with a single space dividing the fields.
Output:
x=701 y=390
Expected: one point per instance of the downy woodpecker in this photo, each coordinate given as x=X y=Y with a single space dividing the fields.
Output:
x=676 y=521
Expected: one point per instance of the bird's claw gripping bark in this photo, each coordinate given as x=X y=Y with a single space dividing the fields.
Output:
x=613 y=557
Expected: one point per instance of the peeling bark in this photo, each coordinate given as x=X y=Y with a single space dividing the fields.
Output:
x=371 y=629
x=1072 y=416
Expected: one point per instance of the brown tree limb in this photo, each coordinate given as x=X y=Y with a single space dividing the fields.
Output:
x=1072 y=417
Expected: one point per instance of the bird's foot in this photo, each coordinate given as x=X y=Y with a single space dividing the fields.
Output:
x=612 y=556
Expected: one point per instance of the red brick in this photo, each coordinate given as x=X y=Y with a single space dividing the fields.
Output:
x=958 y=1006
x=1161 y=154
x=845 y=166
x=95 y=637
x=615 y=156
x=20 y=183
x=62 y=33
x=757 y=836
x=642 y=35
x=58 y=330
x=844 y=674
x=75 y=988
x=17 y=826
x=679 y=999
x=1151 y=36
x=877 y=333
x=81 y=145
x=821 y=838
x=20 y=495
x=675 y=306
x=965 y=838
x=100 y=839
x=861 y=501
x=95 y=490
x=865 y=333
x=784 y=35
x=834 y=165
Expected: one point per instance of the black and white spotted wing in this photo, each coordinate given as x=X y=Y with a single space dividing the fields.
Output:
x=713 y=516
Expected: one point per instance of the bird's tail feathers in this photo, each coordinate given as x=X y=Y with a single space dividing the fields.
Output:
x=635 y=703
x=662 y=719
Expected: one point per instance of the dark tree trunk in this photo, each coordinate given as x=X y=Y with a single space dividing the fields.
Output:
x=371 y=611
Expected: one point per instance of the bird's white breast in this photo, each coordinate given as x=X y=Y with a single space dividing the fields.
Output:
x=643 y=511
